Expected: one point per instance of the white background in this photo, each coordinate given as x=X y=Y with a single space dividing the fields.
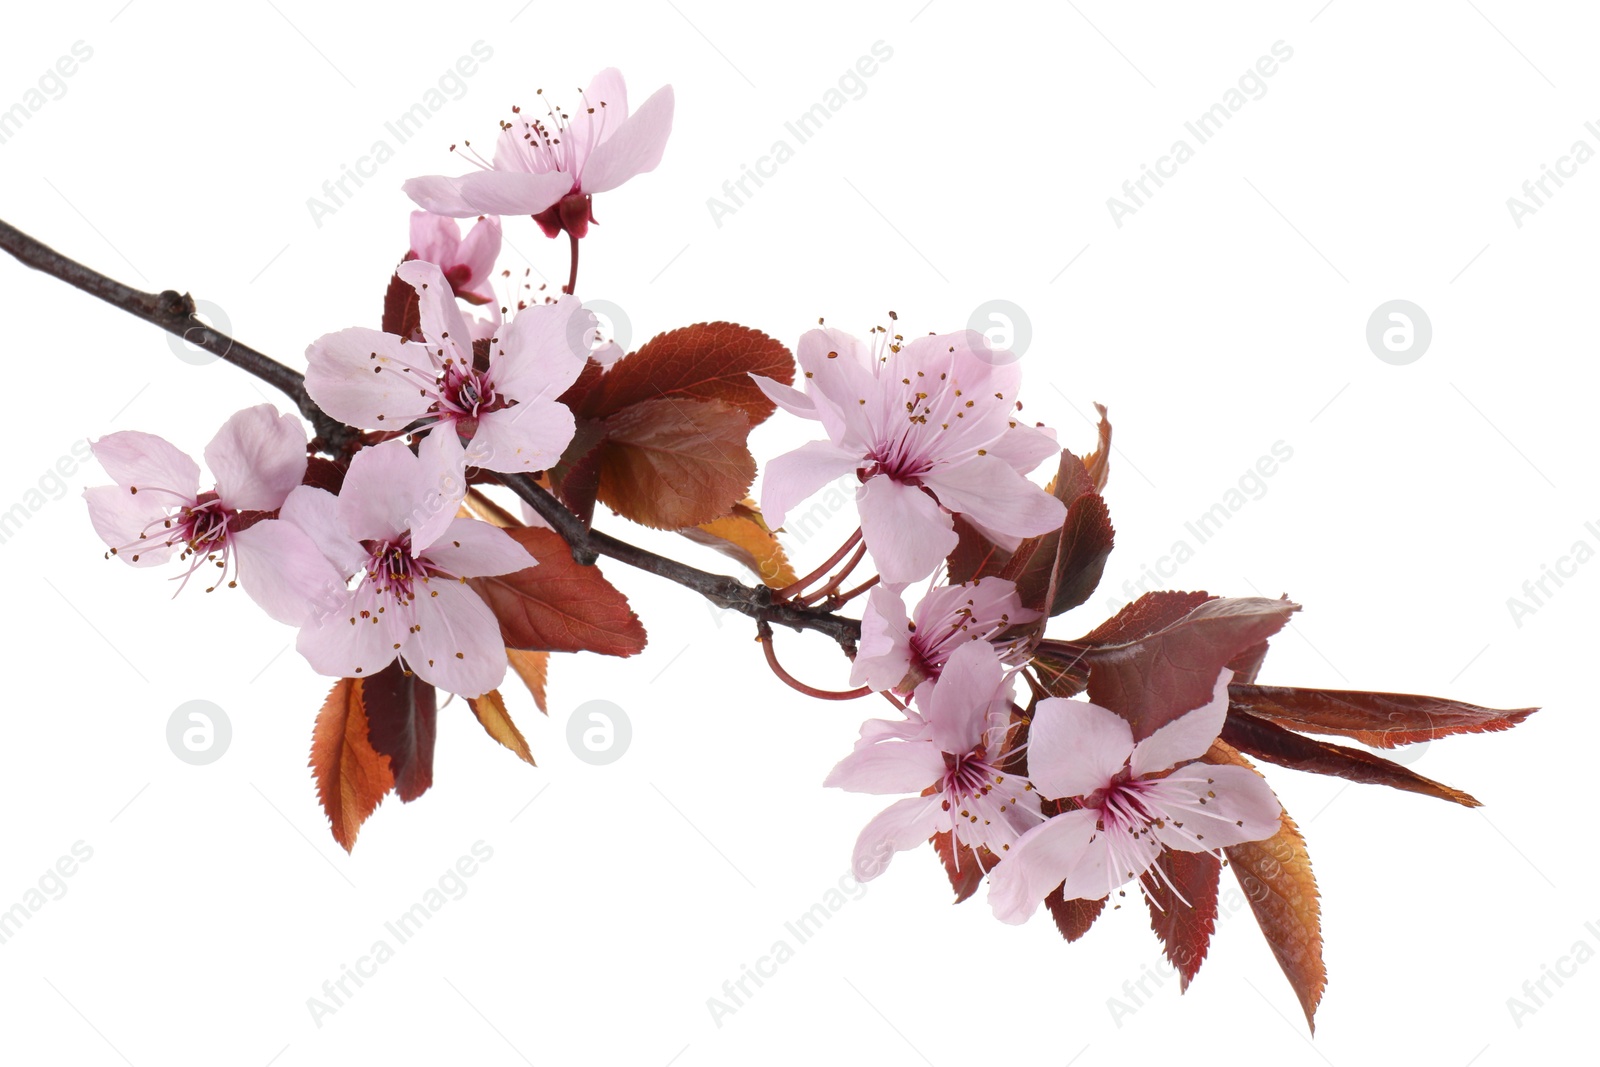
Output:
x=1227 y=314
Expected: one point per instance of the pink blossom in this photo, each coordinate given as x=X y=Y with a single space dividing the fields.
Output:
x=1132 y=805
x=506 y=406
x=952 y=748
x=466 y=264
x=156 y=507
x=365 y=581
x=931 y=429
x=897 y=651
x=549 y=167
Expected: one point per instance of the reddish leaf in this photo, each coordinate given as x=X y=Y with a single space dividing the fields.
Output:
x=707 y=361
x=577 y=476
x=559 y=605
x=675 y=463
x=1184 y=929
x=1264 y=740
x=964 y=867
x=1052 y=574
x=352 y=777
x=743 y=535
x=1150 y=614
x=1381 y=720
x=577 y=396
x=402 y=714
x=401 y=314
x=324 y=474
x=1276 y=877
x=1098 y=462
x=534 y=670
x=496 y=722
x=1073 y=917
x=1247 y=664
x=1153 y=680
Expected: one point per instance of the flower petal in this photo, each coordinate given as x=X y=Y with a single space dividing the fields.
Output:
x=456 y=645
x=510 y=192
x=793 y=476
x=286 y=574
x=379 y=493
x=1113 y=859
x=1037 y=863
x=143 y=461
x=368 y=378
x=634 y=148
x=356 y=640
x=440 y=485
x=1075 y=747
x=904 y=824
x=543 y=351
x=470 y=549
x=990 y=489
x=435 y=238
x=1187 y=737
x=960 y=703
x=1218 y=806
x=449 y=340
x=316 y=512
x=523 y=437
x=905 y=531
x=786 y=397
x=441 y=195
x=883 y=655
x=258 y=457
x=888 y=767
x=122 y=518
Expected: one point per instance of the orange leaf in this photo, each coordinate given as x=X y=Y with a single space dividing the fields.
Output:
x=352 y=776
x=1276 y=877
x=559 y=605
x=496 y=721
x=743 y=535
x=534 y=670
x=675 y=463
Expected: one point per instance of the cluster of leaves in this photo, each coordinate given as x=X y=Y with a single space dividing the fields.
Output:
x=1158 y=658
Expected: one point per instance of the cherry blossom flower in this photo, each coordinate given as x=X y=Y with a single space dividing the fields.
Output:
x=365 y=582
x=504 y=405
x=550 y=167
x=953 y=748
x=930 y=428
x=1132 y=804
x=898 y=651
x=466 y=263
x=156 y=507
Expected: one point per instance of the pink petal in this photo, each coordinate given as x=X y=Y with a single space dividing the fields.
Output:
x=316 y=512
x=1075 y=747
x=543 y=351
x=905 y=531
x=449 y=340
x=1243 y=808
x=457 y=644
x=439 y=486
x=838 y=377
x=470 y=549
x=888 y=767
x=369 y=379
x=380 y=493
x=904 y=824
x=988 y=488
x=789 y=399
x=435 y=238
x=635 y=147
x=511 y=192
x=478 y=253
x=440 y=195
x=1037 y=863
x=1187 y=737
x=146 y=462
x=285 y=573
x=793 y=476
x=1100 y=869
x=963 y=698
x=1025 y=447
x=356 y=640
x=258 y=457
x=523 y=437
x=121 y=518
x=883 y=655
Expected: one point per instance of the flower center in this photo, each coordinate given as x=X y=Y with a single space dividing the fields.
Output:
x=393 y=570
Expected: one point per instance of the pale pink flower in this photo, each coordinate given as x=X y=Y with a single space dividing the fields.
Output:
x=549 y=167
x=1132 y=805
x=931 y=429
x=898 y=652
x=953 y=747
x=365 y=581
x=467 y=264
x=506 y=406
x=156 y=508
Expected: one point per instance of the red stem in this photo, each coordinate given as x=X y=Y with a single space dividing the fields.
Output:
x=794 y=683
x=789 y=590
x=836 y=580
x=572 y=276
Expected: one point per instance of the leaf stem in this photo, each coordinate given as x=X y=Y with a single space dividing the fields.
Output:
x=794 y=683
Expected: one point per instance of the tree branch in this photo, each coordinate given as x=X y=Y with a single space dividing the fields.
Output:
x=174 y=312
